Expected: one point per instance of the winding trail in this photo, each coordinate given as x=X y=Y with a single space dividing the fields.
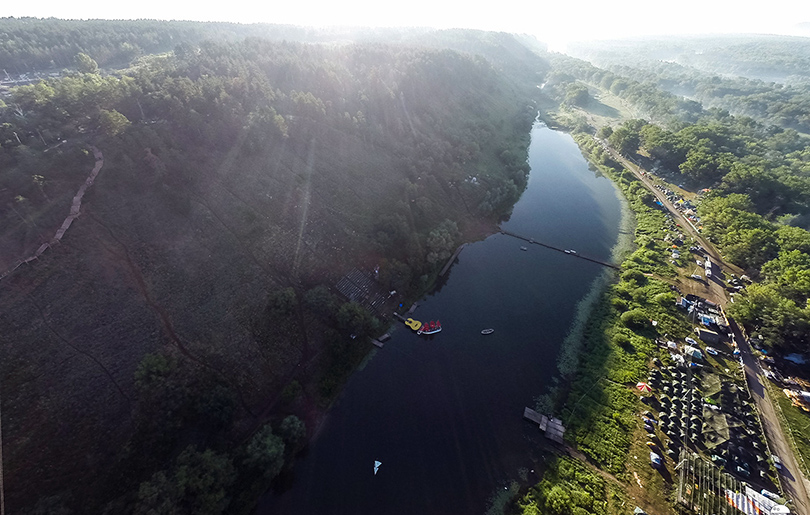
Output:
x=75 y=210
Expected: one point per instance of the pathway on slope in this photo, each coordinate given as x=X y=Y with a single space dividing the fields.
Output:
x=75 y=209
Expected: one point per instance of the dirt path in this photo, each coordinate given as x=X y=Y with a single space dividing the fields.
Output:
x=792 y=479
x=75 y=210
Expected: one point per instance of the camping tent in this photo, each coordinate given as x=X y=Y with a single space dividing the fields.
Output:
x=644 y=387
x=692 y=352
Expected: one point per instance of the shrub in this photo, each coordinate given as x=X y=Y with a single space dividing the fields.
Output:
x=635 y=318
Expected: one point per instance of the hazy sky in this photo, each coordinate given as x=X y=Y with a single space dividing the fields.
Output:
x=553 y=22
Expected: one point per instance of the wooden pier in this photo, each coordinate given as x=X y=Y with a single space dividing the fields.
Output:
x=552 y=427
x=537 y=418
x=535 y=242
x=452 y=259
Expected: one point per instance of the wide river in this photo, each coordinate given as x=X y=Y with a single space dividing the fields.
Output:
x=444 y=415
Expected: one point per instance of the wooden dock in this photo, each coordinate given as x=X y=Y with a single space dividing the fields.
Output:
x=580 y=256
x=537 y=418
x=452 y=259
x=380 y=342
x=552 y=427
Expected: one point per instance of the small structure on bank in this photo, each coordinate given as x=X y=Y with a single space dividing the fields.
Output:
x=553 y=427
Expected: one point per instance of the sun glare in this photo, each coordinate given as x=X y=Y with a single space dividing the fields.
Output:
x=553 y=22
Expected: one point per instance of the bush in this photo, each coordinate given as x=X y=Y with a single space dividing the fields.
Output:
x=635 y=318
x=618 y=304
x=634 y=275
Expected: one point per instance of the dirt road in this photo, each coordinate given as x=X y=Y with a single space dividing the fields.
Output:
x=793 y=481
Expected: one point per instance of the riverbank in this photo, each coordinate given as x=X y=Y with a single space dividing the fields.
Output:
x=608 y=349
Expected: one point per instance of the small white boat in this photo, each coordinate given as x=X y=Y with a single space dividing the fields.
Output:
x=523 y=248
x=376 y=466
x=487 y=331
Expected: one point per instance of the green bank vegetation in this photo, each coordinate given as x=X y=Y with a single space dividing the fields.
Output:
x=571 y=488
x=754 y=208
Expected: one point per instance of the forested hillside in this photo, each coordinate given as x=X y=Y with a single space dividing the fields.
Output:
x=193 y=301
x=762 y=77
x=761 y=57
x=30 y=44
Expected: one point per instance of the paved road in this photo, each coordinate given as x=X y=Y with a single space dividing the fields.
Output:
x=793 y=482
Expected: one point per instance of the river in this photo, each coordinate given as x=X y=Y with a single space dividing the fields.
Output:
x=444 y=414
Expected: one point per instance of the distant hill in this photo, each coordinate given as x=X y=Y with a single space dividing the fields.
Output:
x=193 y=298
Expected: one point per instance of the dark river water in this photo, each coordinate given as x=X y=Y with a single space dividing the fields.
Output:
x=444 y=414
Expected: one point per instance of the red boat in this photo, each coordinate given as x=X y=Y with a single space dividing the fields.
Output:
x=430 y=327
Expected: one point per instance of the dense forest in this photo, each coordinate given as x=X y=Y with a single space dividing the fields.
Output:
x=188 y=330
x=756 y=210
x=763 y=57
x=765 y=77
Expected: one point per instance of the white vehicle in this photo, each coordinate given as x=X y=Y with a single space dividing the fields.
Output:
x=776 y=462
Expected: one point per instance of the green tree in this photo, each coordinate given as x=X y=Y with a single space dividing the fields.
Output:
x=321 y=301
x=85 y=63
x=635 y=318
x=281 y=302
x=558 y=501
x=793 y=238
x=292 y=431
x=625 y=140
x=198 y=483
x=355 y=319
x=112 y=122
x=577 y=94
x=791 y=271
x=265 y=452
x=604 y=132
x=442 y=241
